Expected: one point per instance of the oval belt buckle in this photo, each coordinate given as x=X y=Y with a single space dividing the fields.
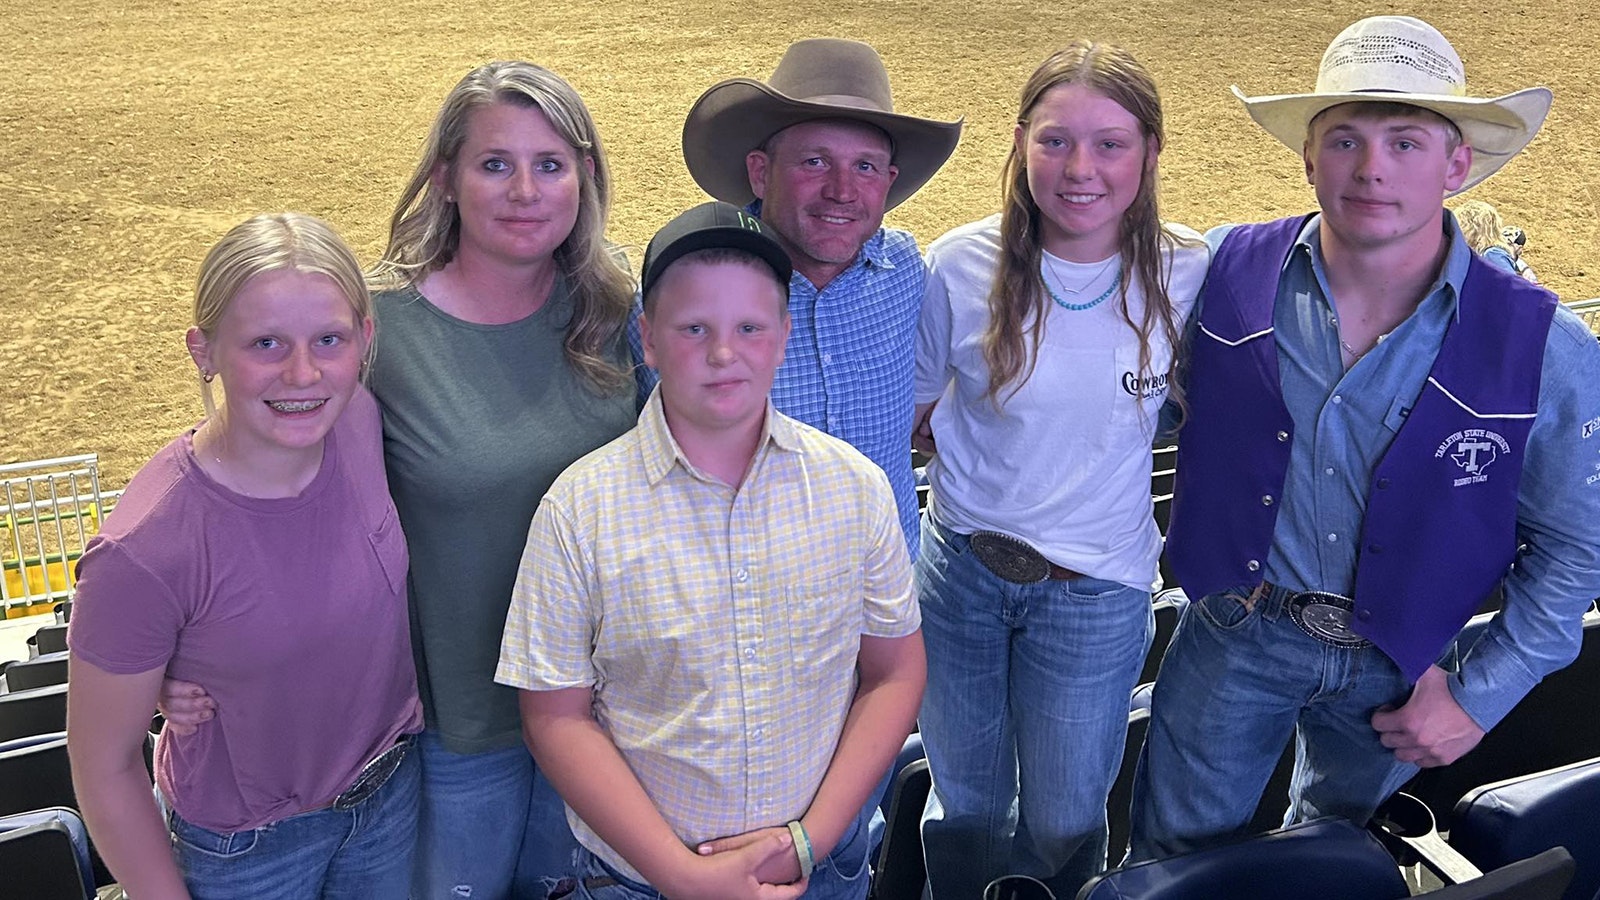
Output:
x=1009 y=558
x=1326 y=617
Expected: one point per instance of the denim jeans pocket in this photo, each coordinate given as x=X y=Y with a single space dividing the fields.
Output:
x=1226 y=610
x=214 y=844
x=1098 y=590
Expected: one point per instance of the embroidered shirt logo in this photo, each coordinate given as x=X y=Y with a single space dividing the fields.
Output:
x=1591 y=426
x=1473 y=450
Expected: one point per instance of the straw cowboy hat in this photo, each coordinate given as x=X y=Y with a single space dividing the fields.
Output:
x=1399 y=59
x=821 y=78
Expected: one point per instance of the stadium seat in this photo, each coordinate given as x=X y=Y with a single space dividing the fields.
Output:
x=45 y=856
x=1328 y=858
x=1017 y=887
x=46 y=669
x=1543 y=877
x=1500 y=823
x=35 y=711
x=901 y=873
x=1553 y=726
x=35 y=774
x=52 y=639
x=1169 y=606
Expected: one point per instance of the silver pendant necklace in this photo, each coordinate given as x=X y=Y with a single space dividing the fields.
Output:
x=1046 y=271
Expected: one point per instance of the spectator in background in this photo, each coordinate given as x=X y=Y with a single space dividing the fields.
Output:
x=1485 y=233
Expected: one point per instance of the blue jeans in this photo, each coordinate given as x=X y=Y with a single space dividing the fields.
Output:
x=841 y=875
x=327 y=854
x=1236 y=681
x=1024 y=717
x=490 y=827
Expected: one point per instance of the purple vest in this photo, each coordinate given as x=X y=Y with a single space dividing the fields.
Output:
x=1440 y=524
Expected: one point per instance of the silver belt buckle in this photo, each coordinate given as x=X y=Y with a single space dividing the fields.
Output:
x=374 y=775
x=1009 y=558
x=1326 y=617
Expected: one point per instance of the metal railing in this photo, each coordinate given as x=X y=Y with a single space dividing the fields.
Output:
x=49 y=509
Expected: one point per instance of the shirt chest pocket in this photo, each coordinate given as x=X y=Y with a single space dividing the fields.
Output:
x=824 y=616
x=388 y=544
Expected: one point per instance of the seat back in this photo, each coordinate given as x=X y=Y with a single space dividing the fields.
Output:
x=1329 y=858
x=30 y=712
x=911 y=751
x=1500 y=823
x=42 y=670
x=52 y=639
x=1552 y=727
x=45 y=856
x=35 y=774
x=1543 y=877
x=901 y=872
x=1168 y=607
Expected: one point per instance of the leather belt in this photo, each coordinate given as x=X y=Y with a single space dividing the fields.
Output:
x=1016 y=561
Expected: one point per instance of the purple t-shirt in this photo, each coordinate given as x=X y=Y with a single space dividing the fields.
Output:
x=291 y=612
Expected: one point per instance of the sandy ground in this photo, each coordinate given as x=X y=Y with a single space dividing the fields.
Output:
x=132 y=134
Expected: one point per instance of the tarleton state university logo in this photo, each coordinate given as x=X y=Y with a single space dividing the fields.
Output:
x=1472 y=450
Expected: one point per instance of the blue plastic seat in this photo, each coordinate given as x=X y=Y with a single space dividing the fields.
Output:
x=1500 y=823
x=1328 y=858
x=45 y=856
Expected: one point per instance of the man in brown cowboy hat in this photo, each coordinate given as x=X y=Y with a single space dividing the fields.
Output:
x=1378 y=419
x=819 y=153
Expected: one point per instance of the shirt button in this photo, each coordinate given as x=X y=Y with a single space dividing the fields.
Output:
x=1266 y=500
x=741 y=576
x=1333 y=538
x=755 y=735
x=749 y=653
x=1334 y=321
x=1364 y=614
x=1374 y=548
x=1283 y=436
x=1337 y=399
x=1383 y=483
x=1253 y=566
x=827 y=357
x=1328 y=470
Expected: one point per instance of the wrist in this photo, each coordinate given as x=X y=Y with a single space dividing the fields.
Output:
x=680 y=877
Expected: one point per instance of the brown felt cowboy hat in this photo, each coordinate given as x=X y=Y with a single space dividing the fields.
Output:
x=820 y=78
x=1405 y=60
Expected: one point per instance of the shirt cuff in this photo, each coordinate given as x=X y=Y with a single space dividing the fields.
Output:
x=1492 y=680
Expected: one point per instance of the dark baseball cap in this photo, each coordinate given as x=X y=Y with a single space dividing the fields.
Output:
x=707 y=226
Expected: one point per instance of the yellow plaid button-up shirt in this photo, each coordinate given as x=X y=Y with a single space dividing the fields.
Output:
x=718 y=627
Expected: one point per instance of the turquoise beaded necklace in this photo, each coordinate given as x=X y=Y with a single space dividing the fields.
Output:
x=1115 y=282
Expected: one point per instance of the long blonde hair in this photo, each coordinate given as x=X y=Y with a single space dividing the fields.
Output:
x=1017 y=300
x=425 y=230
x=1482 y=227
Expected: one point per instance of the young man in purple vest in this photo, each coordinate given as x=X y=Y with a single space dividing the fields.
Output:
x=1377 y=421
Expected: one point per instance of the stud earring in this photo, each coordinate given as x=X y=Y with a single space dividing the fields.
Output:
x=206 y=376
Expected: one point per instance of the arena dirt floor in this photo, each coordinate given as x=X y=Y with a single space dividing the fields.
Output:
x=134 y=132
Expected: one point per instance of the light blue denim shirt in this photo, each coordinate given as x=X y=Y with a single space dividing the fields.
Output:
x=1345 y=421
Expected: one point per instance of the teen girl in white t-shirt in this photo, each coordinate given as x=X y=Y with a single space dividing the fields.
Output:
x=1044 y=355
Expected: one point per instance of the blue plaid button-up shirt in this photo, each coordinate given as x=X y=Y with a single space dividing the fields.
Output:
x=847 y=369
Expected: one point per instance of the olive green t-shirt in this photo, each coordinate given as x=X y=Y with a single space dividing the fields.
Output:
x=478 y=420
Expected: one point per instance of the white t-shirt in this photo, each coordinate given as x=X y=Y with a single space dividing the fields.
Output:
x=1064 y=464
